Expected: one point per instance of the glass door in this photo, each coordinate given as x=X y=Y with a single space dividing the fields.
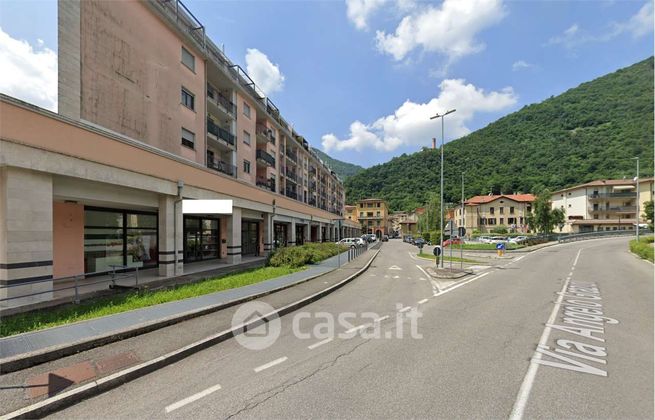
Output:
x=209 y=239
x=249 y=238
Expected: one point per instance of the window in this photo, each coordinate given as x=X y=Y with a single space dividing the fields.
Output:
x=188 y=138
x=529 y=208
x=188 y=59
x=491 y=210
x=246 y=166
x=377 y=214
x=502 y=220
x=502 y=210
x=246 y=110
x=378 y=204
x=511 y=210
x=361 y=214
x=188 y=100
x=246 y=137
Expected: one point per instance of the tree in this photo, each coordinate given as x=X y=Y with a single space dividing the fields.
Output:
x=559 y=218
x=543 y=217
x=648 y=213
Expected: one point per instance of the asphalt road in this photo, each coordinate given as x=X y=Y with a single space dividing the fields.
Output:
x=447 y=350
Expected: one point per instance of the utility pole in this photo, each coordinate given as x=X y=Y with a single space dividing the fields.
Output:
x=461 y=240
x=637 y=181
x=441 y=188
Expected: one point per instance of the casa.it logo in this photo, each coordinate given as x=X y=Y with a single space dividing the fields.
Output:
x=256 y=325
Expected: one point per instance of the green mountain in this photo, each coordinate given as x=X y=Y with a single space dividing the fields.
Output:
x=589 y=132
x=344 y=169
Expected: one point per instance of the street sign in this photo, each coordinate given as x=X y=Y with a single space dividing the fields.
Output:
x=500 y=246
x=437 y=250
x=461 y=231
x=449 y=227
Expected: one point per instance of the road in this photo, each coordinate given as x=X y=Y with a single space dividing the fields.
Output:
x=485 y=349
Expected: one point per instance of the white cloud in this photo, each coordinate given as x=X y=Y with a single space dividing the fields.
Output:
x=410 y=124
x=28 y=73
x=265 y=74
x=449 y=29
x=638 y=25
x=358 y=11
x=521 y=65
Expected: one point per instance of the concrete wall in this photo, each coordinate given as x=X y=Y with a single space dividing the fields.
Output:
x=67 y=239
x=132 y=77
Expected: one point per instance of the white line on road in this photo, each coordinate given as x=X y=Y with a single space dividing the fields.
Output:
x=405 y=309
x=460 y=284
x=412 y=256
x=382 y=318
x=528 y=380
x=519 y=258
x=422 y=301
x=270 y=364
x=320 y=343
x=357 y=328
x=194 y=397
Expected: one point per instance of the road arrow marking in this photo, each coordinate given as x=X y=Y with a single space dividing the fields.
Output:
x=395 y=267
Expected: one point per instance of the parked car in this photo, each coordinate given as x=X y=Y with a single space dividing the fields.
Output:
x=419 y=242
x=497 y=239
x=453 y=241
x=385 y=238
x=352 y=242
x=408 y=239
x=518 y=239
x=484 y=239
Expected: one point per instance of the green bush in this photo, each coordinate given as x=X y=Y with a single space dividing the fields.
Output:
x=643 y=248
x=426 y=236
x=298 y=256
x=499 y=229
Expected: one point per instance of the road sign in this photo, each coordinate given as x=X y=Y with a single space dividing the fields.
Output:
x=461 y=231
x=437 y=250
x=449 y=227
x=500 y=246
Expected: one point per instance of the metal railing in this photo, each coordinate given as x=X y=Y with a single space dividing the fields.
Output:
x=291 y=194
x=624 y=194
x=265 y=157
x=600 y=234
x=219 y=132
x=219 y=99
x=613 y=209
x=266 y=183
x=117 y=272
x=220 y=166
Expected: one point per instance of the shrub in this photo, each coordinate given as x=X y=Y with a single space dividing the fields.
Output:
x=643 y=248
x=298 y=256
x=499 y=229
x=426 y=236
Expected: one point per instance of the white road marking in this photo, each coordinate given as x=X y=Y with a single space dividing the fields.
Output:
x=357 y=328
x=422 y=301
x=396 y=277
x=443 y=292
x=412 y=256
x=320 y=343
x=519 y=258
x=270 y=364
x=528 y=380
x=422 y=278
x=405 y=309
x=194 y=397
x=382 y=318
x=395 y=267
x=372 y=275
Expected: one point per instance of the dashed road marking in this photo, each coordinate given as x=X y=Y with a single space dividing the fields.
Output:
x=192 y=398
x=422 y=301
x=320 y=343
x=405 y=309
x=382 y=318
x=395 y=267
x=270 y=364
x=357 y=328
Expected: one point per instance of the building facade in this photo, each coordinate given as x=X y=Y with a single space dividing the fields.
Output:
x=151 y=114
x=485 y=212
x=602 y=205
x=373 y=216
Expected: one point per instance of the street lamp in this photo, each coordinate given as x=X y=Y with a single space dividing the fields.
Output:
x=441 y=188
x=637 y=182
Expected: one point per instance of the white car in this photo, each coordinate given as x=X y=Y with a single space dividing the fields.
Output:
x=518 y=239
x=351 y=242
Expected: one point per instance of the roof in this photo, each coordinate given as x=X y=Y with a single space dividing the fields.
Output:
x=370 y=199
x=603 y=183
x=483 y=199
x=347 y=207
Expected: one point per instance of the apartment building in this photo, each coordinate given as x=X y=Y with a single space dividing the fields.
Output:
x=485 y=212
x=605 y=204
x=405 y=223
x=152 y=115
x=373 y=216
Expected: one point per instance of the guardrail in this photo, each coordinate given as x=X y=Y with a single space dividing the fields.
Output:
x=116 y=273
x=595 y=235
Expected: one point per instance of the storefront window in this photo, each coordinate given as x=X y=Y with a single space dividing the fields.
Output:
x=201 y=239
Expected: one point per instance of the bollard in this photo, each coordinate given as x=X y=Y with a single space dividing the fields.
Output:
x=77 y=293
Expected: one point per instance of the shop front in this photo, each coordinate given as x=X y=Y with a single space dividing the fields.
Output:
x=201 y=238
x=249 y=238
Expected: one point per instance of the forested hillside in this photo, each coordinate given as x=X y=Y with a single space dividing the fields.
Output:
x=589 y=132
x=344 y=169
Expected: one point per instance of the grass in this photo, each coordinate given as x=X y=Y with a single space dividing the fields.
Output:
x=446 y=258
x=643 y=248
x=95 y=308
x=482 y=246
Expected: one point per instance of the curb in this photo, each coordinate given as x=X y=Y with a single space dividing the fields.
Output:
x=26 y=360
x=68 y=398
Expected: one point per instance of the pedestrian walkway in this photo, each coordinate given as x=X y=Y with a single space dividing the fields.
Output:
x=112 y=324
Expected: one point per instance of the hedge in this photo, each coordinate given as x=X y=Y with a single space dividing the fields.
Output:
x=643 y=248
x=298 y=256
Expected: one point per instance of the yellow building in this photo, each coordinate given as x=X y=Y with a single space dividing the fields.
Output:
x=373 y=215
x=485 y=212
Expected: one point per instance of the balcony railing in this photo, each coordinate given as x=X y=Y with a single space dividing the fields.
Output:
x=312 y=202
x=613 y=209
x=220 y=133
x=220 y=166
x=291 y=175
x=266 y=183
x=623 y=194
x=221 y=100
x=292 y=156
x=291 y=194
x=263 y=156
x=266 y=133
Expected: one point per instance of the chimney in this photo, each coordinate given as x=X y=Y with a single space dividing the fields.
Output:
x=434 y=143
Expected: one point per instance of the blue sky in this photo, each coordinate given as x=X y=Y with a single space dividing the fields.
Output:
x=360 y=78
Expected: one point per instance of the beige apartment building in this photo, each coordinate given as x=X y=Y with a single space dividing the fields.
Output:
x=485 y=212
x=152 y=115
x=603 y=205
x=373 y=216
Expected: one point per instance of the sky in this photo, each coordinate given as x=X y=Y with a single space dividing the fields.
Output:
x=360 y=79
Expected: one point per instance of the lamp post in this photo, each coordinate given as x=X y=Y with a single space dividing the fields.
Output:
x=461 y=239
x=441 y=187
x=637 y=182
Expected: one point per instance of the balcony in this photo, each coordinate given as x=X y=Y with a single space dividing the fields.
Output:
x=269 y=184
x=623 y=194
x=224 y=104
x=291 y=194
x=265 y=134
x=291 y=175
x=265 y=158
x=220 y=133
x=613 y=209
x=220 y=166
x=293 y=157
x=312 y=202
